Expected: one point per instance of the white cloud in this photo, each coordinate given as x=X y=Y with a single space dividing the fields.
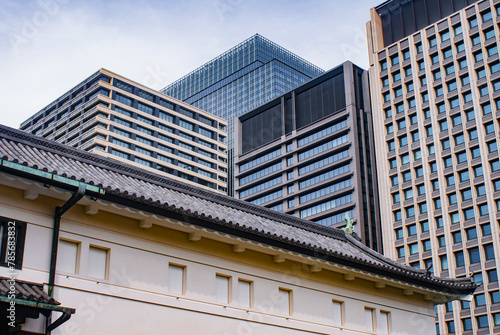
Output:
x=61 y=42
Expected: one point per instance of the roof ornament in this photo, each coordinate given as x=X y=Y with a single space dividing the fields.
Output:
x=349 y=224
x=428 y=271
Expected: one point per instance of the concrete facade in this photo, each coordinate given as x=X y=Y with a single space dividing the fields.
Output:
x=435 y=93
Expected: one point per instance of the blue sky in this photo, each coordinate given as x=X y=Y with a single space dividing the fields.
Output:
x=48 y=46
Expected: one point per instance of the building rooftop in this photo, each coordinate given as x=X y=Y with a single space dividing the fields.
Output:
x=27 y=291
x=36 y=158
x=257 y=48
x=401 y=18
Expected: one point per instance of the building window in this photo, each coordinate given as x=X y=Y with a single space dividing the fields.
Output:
x=395 y=60
x=451 y=326
x=389 y=128
x=403 y=140
x=396 y=76
x=98 y=262
x=432 y=41
x=441 y=241
x=439 y=91
x=145 y=108
x=489 y=252
x=490 y=33
x=459 y=258
x=12 y=238
x=486 y=229
x=124 y=100
x=285 y=301
x=452 y=199
x=464 y=175
x=431 y=149
x=457 y=237
x=444 y=262
x=471 y=233
x=413 y=249
x=423 y=208
x=337 y=312
x=419 y=47
x=492 y=276
x=398 y=92
x=245 y=293
x=481 y=73
x=480 y=300
x=477 y=278
x=495 y=67
x=426 y=245
x=384 y=325
x=222 y=289
x=495 y=297
x=405 y=159
x=482 y=321
x=474 y=255
x=466 y=194
x=399 y=233
x=176 y=279
x=468 y=214
x=369 y=319
x=67 y=256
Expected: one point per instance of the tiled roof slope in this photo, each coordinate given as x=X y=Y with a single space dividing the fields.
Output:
x=26 y=291
x=136 y=187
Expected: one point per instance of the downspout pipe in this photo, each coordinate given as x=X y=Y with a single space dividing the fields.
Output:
x=58 y=212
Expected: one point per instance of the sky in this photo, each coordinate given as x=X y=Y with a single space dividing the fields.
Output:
x=49 y=46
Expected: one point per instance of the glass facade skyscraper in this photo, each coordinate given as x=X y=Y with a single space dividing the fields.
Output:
x=244 y=77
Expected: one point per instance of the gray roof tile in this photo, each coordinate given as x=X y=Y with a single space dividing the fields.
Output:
x=160 y=193
x=26 y=291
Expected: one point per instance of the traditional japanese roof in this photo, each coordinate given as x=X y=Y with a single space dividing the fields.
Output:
x=52 y=163
x=26 y=291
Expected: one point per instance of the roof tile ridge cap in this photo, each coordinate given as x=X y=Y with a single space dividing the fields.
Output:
x=83 y=156
x=21 y=281
x=48 y=145
x=381 y=257
x=35 y=141
x=468 y=280
x=284 y=218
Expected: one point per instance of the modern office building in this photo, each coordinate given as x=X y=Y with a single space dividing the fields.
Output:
x=244 y=77
x=117 y=118
x=137 y=253
x=435 y=89
x=310 y=153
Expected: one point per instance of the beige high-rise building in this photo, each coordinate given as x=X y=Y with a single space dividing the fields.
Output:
x=118 y=118
x=435 y=90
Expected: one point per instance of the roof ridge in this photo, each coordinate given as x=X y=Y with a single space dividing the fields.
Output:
x=381 y=257
x=359 y=256
x=165 y=181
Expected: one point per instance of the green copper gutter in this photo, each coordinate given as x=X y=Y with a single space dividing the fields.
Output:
x=58 y=181
x=49 y=176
